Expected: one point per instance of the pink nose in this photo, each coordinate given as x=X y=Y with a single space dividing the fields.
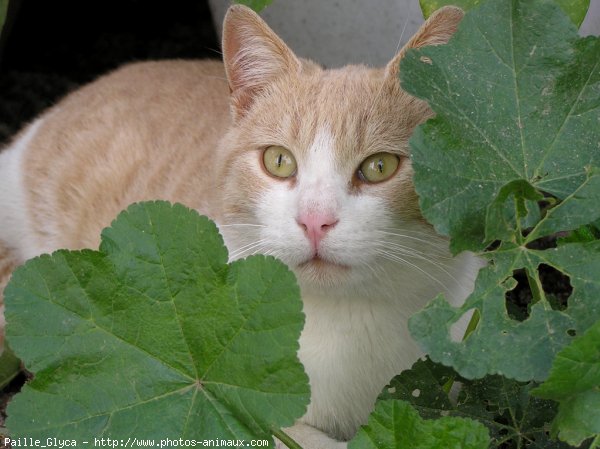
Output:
x=316 y=225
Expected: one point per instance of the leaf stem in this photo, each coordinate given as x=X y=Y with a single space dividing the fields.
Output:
x=447 y=387
x=285 y=439
x=473 y=322
x=536 y=287
x=596 y=443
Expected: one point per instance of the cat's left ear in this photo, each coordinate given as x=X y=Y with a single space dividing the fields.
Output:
x=254 y=56
x=437 y=30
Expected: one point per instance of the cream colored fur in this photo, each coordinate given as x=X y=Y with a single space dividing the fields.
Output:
x=194 y=132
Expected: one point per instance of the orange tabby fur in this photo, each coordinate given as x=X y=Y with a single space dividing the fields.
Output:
x=130 y=139
x=192 y=132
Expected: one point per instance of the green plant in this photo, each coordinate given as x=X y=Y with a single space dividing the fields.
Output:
x=575 y=9
x=510 y=159
x=256 y=5
x=156 y=336
x=3 y=11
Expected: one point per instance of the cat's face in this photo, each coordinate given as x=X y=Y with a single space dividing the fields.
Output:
x=318 y=172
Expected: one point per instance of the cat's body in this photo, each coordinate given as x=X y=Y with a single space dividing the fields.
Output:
x=124 y=146
x=364 y=257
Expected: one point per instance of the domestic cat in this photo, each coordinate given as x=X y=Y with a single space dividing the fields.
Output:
x=306 y=164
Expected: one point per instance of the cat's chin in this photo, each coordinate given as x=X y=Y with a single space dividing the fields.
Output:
x=320 y=271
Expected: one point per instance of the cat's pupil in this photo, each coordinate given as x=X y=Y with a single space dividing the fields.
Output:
x=380 y=165
x=279 y=159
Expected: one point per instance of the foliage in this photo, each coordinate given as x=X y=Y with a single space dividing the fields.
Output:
x=10 y=366
x=511 y=158
x=3 y=12
x=575 y=9
x=514 y=419
x=395 y=424
x=575 y=382
x=156 y=336
x=256 y=5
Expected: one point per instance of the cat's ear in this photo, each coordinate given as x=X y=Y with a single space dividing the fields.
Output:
x=437 y=30
x=253 y=55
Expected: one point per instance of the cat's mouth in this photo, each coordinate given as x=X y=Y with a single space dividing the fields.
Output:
x=322 y=271
x=321 y=263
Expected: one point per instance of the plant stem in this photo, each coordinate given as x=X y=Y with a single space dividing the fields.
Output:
x=596 y=443
x=473 y=322
x=285 y=439
x=447 y=387
x=536 y=287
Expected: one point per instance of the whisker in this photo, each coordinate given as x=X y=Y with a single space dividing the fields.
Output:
x=436 y=252
x=378 y=272
x=396 y=258
x=405 y=233
x=431 y=235
x=422 y=256
x=434 y=244
x=246 y=248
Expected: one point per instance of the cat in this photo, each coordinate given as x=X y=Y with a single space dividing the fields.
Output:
x=306 y=164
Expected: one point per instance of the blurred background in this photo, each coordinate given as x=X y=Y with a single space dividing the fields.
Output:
x=48 y=48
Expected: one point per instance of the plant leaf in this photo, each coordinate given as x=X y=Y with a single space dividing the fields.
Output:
x=517 y=107
x=575 y=383
x=576 y=9
x=424 y=386
x=579 y=208
x=516 y=98
x=395 y=424
x=504 y=219
x=156 y=328
x=10 y=367
x=256 y=5
x=502 y=345
x=3 y=12
x=586 y=233
x=504 y=406
x=428 y=7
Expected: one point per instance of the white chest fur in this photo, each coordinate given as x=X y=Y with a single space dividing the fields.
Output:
x=352 y=347
x=350 y=350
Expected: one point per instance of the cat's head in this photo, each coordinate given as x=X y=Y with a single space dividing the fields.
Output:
x=317 y=171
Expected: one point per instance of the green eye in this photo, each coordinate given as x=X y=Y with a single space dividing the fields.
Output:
x=279 y=161
x=378 y=167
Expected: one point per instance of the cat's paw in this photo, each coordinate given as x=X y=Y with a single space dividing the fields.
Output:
x=310 y=438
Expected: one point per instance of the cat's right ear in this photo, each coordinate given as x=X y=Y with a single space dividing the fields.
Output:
x=253 y=55
x=437 y=30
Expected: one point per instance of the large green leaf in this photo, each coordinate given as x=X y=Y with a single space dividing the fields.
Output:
x=575 y=382
x=514 y=419
x=395 y=424
x=576 y=9
x=155 y=336
x=516 y=97
x=522 y=350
